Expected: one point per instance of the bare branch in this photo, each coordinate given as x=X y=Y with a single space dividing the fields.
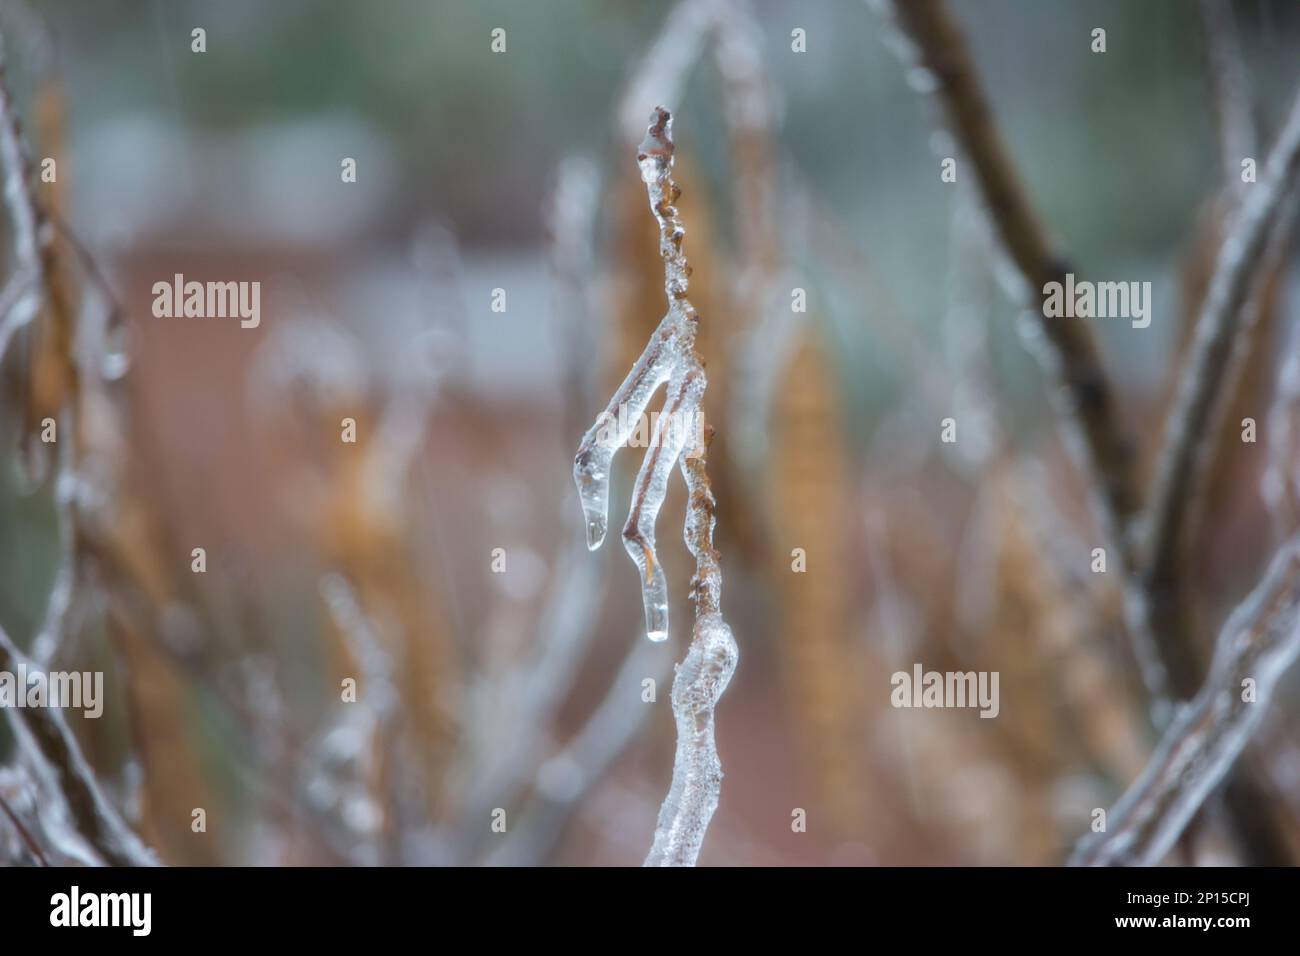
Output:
x=1070 y=348
x=670 y=356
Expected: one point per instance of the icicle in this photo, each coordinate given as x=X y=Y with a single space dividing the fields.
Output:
x=671 y=430
x=669 y=356
x=596 y=453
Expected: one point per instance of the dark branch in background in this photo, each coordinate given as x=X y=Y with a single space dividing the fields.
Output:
x=1070 y=346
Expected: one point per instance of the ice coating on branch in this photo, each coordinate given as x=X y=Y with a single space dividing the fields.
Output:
x=701 y=679
x=670 y=435
x=697 y=772
x=679 y=438
x=1259 y=641
x=612 y=428
x=669 y=356
x=655 y=157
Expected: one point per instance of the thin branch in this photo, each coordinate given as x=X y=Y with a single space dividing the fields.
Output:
x=670 y=356
x=701 y=678
x=1256 y=646
x=1070 y=348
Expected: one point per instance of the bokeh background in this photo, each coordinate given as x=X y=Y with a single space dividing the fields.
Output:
x=522 y=690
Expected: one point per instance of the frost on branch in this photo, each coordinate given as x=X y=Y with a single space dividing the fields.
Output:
x=670 y=357
x=1258 y=642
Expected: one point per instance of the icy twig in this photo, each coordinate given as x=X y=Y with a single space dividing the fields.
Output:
x=1207 y=379
x=670 y=356
x=1259 y=641
x=701 y=679
x=47 y=743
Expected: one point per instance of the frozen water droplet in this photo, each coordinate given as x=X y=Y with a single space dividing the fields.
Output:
x=597 y=526
x=654 y=586
x=591 y=475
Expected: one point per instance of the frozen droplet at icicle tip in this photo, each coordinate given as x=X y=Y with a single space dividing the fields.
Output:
x=591 y=475
x=654 y=588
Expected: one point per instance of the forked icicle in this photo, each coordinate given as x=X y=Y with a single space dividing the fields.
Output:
x=679 y=438
x=668 y=357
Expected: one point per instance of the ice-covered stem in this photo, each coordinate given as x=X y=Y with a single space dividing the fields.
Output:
x=701 y=679
x=655 y=157
x=711 y=659
x=1259 y=641
x=1205 y=382
x=45 y=740
x=668 y=357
